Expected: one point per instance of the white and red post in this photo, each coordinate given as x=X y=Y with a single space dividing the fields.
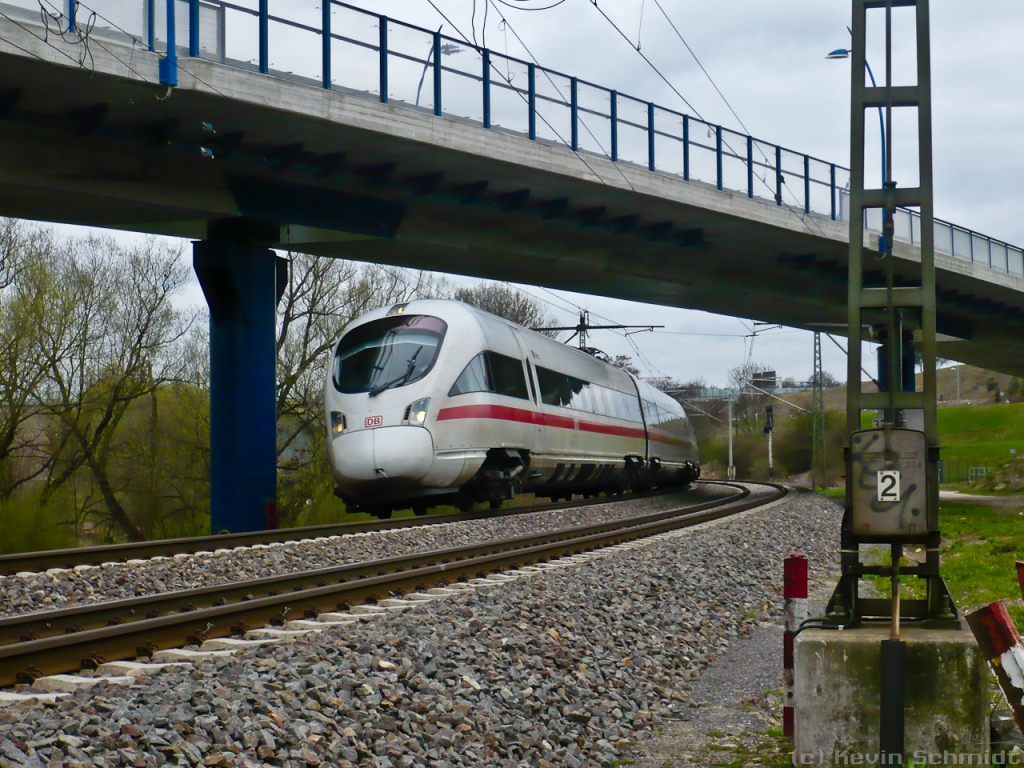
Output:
x=1000 y=644
x=794 y=590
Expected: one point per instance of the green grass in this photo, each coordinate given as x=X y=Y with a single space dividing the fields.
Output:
x=764 y=748
x=980 y=547
x=980 y=433
x=29 y=525
x=976 y=434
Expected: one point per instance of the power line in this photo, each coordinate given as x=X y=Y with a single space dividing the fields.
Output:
x=644 y=57
x=564 y=101
x=524 y=8
x=699 y=64
x=803 y=219
x=523 y=98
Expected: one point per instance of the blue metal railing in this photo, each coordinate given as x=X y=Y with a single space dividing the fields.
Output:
x=368 y=54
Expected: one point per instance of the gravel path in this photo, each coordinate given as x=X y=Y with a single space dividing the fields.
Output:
x=60 y=588
x=573 y=667
x=736 y=705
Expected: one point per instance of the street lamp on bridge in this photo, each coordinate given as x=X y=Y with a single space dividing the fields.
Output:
x=844 y=53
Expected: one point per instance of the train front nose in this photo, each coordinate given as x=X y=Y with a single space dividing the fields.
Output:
x=387 y=457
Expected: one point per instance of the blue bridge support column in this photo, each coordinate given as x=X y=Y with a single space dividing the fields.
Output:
x=243 y=280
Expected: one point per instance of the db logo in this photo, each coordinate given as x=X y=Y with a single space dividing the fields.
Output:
x=374 y=421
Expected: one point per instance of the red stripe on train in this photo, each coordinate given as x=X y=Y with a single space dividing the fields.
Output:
x=507 y=413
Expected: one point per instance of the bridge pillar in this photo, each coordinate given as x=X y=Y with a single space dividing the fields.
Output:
x=243 y=280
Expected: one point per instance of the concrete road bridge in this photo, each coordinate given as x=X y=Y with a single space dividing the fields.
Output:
x=335 y=131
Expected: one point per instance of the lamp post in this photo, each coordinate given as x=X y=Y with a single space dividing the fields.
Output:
x=844 y=53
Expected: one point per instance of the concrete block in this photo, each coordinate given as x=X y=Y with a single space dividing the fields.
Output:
x=366 y=609
x=184 y=654
x=279 y=634
x=70 y=683
x=234 y=644
x=137 y=668
x=838 y=688
x=340 y=617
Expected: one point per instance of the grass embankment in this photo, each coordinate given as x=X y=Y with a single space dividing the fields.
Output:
x=979 y=549
x=981 y=433
x=975 y=434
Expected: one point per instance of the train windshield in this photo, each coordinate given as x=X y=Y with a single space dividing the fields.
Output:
x=387 y=353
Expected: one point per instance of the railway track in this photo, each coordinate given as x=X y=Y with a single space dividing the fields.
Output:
x=37 y=562
x=52 y=642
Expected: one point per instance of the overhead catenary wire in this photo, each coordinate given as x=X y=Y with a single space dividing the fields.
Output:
x=645 y=58
x=508 y=79
x=811 y=225
x=699 y=64
x=641 y=357
x=525 y=8
x=42 y=39
x=547 y=76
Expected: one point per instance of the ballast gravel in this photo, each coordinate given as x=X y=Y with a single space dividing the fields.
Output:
x=62 y=588
x=568 y=667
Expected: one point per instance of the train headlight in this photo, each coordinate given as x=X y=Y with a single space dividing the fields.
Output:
x=338 y=423
x=418 y=412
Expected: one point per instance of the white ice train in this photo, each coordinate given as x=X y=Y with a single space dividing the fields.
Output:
x=438 y=402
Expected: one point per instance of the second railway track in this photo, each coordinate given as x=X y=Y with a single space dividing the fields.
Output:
x=38 y=562
x=84 y=636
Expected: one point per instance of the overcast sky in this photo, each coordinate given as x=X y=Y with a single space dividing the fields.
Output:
x=768 y=59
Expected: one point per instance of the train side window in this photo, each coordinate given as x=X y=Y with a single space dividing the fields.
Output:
x=549 y=382
x=651 y=413
x=669 y=420
x=609 y=402
x=555 y=388
x=600 y=395
x=623 y=402
x=507 y=376
x=474 y=378
x=582 y=399
x=611 y=398
x=491 y=372
x=529 y=378
x=633 y=407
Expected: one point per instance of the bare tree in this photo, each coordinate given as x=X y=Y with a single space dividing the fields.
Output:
x=505 y=301
x=120 y=342
x=26 y=284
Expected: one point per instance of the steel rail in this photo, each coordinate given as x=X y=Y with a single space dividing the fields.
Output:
x=37 y=562
x=77 y=618
x=24 y=661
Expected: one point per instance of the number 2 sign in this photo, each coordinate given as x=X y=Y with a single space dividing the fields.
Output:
x=888 y=485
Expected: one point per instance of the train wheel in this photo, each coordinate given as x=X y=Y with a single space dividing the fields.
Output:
x=383 y=514
x=419 y=510
x=495 y=503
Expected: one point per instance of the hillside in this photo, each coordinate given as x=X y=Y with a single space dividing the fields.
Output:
x=979 y=429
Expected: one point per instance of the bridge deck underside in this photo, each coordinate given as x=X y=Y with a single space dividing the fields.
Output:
x=349 y=177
